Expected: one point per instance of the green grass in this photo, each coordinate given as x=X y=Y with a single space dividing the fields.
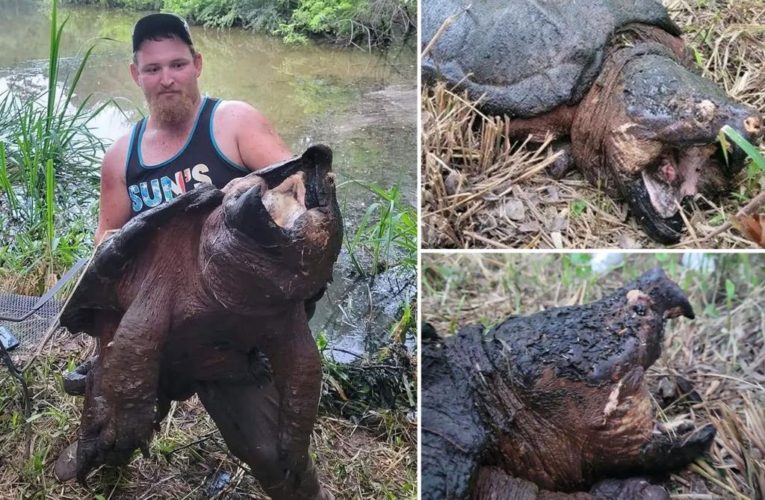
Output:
x=48 y=170
x=578 y=207
x=385 y=236
x=756 y=167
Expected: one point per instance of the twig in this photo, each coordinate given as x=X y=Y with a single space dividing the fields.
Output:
x=749 y=209
x=345 y=351
x=200 y=440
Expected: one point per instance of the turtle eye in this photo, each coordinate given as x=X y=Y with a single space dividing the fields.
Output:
x=640 y=309
x=705 y=111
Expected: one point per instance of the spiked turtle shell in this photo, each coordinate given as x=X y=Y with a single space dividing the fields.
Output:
x=526 y=57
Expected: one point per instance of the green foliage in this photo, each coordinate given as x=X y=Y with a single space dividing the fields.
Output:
x=367 y=22
x=756 y=167
x=129 y=4
x=325 y=16
x=578 y=207
x=217 y=13
x=386 y=235
x=49 y=150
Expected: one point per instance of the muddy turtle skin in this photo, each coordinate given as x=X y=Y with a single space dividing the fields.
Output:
x=553 y=405
x=612 y=78
x=206 y=294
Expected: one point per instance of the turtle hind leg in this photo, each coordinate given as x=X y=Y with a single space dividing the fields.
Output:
x=248 y=418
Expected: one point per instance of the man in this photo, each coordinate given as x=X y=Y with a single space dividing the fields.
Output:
x=187 y=139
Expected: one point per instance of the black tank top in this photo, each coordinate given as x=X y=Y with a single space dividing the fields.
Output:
x=199 y=160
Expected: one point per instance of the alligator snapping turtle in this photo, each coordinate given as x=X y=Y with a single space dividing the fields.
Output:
x=612 y=78
x=206 y=294
x=554 y=402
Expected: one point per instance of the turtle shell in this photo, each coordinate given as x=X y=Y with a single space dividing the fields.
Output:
x=526 y=57
x=97 y=287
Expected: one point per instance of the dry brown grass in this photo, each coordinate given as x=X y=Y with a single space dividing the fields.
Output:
x=482 y=191
x=353 y=461
x=722 y=351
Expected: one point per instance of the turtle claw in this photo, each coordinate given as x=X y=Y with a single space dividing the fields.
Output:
x=626 y=489
x=109 y=435
x=75 y=381
x=664 y=453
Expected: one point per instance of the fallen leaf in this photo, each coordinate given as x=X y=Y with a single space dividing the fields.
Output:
x=753 y=227
x=530 y=227
x=515 y=210
x=454 y=183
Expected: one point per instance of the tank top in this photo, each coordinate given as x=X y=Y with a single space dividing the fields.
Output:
x=199 y=160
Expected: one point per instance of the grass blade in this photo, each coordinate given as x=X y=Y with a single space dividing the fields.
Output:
x=751 y=151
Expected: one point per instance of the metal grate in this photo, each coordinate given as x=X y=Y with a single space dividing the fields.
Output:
x=31 y=330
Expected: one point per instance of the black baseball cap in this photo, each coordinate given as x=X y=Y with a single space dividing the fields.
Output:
x=157 y=25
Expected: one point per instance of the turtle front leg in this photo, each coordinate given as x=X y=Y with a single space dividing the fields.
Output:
x=121 y=392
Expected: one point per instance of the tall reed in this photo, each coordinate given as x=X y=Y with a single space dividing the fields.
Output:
x=386 y=235
x=46 y=152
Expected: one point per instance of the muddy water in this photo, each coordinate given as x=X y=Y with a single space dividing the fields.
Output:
x=363 y=105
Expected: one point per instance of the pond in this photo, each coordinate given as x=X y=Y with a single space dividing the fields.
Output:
x=364 y=105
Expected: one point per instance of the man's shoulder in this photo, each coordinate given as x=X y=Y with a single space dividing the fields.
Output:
x=237 y=113
x=116 y=154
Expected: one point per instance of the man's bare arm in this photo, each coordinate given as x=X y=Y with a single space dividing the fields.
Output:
x=257 y=142
x=114 y=206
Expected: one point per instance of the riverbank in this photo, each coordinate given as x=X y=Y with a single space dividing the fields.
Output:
x=362 y=23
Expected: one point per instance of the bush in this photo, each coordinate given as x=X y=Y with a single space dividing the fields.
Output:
x=368 y=22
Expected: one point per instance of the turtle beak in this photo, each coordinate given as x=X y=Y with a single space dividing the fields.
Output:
x=667 y=297
x=666 y=231
x=247 y=214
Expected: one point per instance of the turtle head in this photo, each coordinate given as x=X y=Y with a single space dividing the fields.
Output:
x=278 y=234
x=661 y=139
x=675 y=117
x=636 y=315
x=272 y=205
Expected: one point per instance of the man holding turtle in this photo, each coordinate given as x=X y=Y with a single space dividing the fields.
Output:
x=186 y=140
